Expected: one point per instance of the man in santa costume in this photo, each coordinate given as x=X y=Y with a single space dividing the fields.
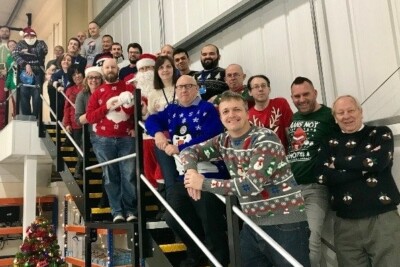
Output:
x=111 y=108
x=29 y=55
x=144 y=79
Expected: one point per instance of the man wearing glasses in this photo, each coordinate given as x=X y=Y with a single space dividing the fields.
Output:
x=192 y=121
x=271 y=113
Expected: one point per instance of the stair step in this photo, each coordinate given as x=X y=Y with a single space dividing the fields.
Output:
x=108 y=210
x=97 y=170
x=67 y=149
x=91 y=181
x=170 y=248
x=53 y=131
x=54 y=139
x=76 y=159
x=95 y=195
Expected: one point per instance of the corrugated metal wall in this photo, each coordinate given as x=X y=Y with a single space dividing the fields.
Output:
x=358 y=41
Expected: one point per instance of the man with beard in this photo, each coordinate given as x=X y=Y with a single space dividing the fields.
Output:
x=211 y=78
x=29 y=55
x=92 y=45
x=144 y=78
x=111 y=108
x=4 y=53
x=134 y=52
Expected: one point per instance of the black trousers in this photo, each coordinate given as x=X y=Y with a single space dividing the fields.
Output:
x=205 y=217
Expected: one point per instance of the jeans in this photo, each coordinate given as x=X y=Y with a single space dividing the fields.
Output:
x=31 y=92
x=168 y=169
x=316 y=200
x=119 y=177
x=256 y=252
x=205 y=217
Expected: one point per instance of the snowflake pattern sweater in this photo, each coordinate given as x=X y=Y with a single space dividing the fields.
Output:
x=188 y=126
x=361 y=184
x=260 y=175
x=116 y=123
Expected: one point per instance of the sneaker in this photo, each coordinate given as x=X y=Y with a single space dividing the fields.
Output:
x=130 y=217
x=118 y=219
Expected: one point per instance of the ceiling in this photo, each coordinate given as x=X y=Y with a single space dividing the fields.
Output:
x=13 y=12
x=7 y=6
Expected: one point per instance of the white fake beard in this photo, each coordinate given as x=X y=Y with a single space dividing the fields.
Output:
x=145 y=81
x=30 y=41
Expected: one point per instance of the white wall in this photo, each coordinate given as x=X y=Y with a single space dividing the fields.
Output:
x=358 y=41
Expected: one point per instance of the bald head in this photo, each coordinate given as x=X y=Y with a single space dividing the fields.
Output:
x=234 y=77
x=186 y=90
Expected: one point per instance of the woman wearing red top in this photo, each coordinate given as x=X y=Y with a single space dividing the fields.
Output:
x=69 y=116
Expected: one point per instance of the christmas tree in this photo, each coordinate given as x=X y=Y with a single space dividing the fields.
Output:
x=40 y=247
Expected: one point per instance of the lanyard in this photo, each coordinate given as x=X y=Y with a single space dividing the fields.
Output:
x=166 y=99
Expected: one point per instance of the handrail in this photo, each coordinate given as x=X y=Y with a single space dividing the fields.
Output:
x=263 y=234
x=180 y=221
x=66 y=98
x=62 y=127
x=111 y=161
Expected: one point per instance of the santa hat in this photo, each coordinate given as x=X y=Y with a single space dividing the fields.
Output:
x=146 y=60
x=28 y=31
x=93 y=69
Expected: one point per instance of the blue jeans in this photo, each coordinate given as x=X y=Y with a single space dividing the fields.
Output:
x=256 y=252
x=316 y=200
x=168 y=169
x=119 y=177
x=31 y=92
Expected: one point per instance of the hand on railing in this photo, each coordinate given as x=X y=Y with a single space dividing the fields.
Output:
x=60 y=89
x=68 y=128
x=171 y=150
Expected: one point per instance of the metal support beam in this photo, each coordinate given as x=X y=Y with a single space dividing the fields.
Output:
x=109 y=11
x=220 y=23
x=15 y=12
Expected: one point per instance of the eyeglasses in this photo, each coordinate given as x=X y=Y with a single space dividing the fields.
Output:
x=258 y=86
x=233 y=75
x=93 y=77
x=185 y=86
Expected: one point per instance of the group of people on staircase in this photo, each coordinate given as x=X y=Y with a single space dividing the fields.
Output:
x=208 y=133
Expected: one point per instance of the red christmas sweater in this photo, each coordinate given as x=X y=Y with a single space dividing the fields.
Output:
x=277 y=116
x=107 y=123
x=69 y=110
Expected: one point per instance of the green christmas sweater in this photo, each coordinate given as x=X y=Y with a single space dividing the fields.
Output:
x=306 y=133
x=260 y=175
x=361 y=183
